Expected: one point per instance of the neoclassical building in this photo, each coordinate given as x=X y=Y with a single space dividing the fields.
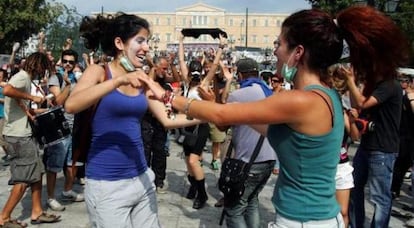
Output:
x=262 y=28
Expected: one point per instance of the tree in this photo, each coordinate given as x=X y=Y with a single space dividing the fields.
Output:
x=66 y=25
x=20 y=19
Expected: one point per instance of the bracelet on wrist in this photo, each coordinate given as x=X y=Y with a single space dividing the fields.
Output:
x=187 y=108
x=167 y=99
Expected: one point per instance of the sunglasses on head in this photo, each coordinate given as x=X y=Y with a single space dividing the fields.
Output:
x=68 y=61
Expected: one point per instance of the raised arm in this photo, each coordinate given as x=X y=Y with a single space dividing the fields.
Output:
x=181 y=60
x=211 y=73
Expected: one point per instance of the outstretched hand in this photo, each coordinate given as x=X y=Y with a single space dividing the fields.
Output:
x=207 y=95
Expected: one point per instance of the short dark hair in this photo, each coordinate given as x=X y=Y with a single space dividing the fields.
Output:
x=71 y=53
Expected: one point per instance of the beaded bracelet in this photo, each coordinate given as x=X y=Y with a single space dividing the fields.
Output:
x=168 y=98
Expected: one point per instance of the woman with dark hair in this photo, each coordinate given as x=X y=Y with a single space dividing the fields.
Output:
x=192 y=77
x=380 y=102
x=120 y=190
x=304 y=125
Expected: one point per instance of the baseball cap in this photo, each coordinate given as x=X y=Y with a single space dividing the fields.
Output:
x=247 y=65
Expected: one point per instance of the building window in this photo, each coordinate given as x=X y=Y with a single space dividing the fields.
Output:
x=278 y=23
x=231 y=22
x=254 y=38
x=168 y=37
x=215 y=22
x=184 y=21
x=254 y=22
x=265 y=39
x=205 y=20
x=266 y=24
x=243 y=38
x=168 y=21
x=157 y=21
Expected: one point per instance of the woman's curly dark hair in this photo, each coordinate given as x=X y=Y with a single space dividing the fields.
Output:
x=101 y=31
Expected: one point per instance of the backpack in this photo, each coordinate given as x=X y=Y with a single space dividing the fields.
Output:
x=82 y=130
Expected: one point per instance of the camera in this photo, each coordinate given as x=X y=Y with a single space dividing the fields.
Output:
x=364 y=125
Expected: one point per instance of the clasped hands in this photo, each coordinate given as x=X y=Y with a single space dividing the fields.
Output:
x=157 y=92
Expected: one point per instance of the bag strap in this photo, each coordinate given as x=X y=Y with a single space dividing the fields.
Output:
x=255 y=153
x=246 y=168
x=95 y=106
x=229 y=149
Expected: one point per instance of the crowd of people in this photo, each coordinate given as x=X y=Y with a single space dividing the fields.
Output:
x=309 y=112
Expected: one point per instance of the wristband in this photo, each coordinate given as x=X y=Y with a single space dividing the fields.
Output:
x=187 y=108
x=167 y=99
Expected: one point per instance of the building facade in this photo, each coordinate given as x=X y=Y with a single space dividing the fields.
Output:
x=261 y=28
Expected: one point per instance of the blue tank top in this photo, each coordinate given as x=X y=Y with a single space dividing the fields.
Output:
x=305 y=188
x=117 y=150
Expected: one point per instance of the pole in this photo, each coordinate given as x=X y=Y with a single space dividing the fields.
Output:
x=247 y=25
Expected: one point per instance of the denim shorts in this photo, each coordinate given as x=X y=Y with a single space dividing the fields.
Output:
x=67 y=143
x=55 y=157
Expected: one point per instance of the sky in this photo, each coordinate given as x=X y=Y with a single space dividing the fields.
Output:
x=85 y=7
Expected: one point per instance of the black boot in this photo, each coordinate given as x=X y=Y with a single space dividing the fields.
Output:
x=201 y=198
x=192 y=191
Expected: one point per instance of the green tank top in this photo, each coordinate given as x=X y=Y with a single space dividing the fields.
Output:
x=305 y=188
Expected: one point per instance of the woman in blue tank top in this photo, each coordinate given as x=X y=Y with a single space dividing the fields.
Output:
x=120 y=190
x=304 y=125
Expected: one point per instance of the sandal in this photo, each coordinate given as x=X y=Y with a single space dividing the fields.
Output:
x=14 y=223
x=45 y=218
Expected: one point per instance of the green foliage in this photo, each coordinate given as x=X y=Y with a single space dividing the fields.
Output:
x=20 y=19
x=65 y=26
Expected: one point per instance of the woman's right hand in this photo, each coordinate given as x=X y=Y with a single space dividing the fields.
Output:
x=157 y=91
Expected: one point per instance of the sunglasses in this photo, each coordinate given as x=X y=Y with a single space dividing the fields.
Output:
x=275 y=81
x=68 y=61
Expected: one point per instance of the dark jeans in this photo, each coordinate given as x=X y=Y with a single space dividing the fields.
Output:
x=403 y=162
x=154 y=136
x=375 y=169
x=245 y=214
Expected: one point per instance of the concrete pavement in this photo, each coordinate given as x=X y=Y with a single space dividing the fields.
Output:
x=175 y=211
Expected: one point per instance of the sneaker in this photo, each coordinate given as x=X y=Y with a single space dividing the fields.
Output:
x=220 y=202
x=55 y=205
x=5 y=157
x=161 y=190
x=80 y=181
x=410 y=223
x=395 y=195
x=214 y=165
x=72 y=196
x=6 y=162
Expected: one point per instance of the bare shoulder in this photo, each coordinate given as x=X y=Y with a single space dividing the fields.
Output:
x=94 y=73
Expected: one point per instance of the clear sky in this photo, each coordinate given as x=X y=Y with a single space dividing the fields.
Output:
x=85 y=7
